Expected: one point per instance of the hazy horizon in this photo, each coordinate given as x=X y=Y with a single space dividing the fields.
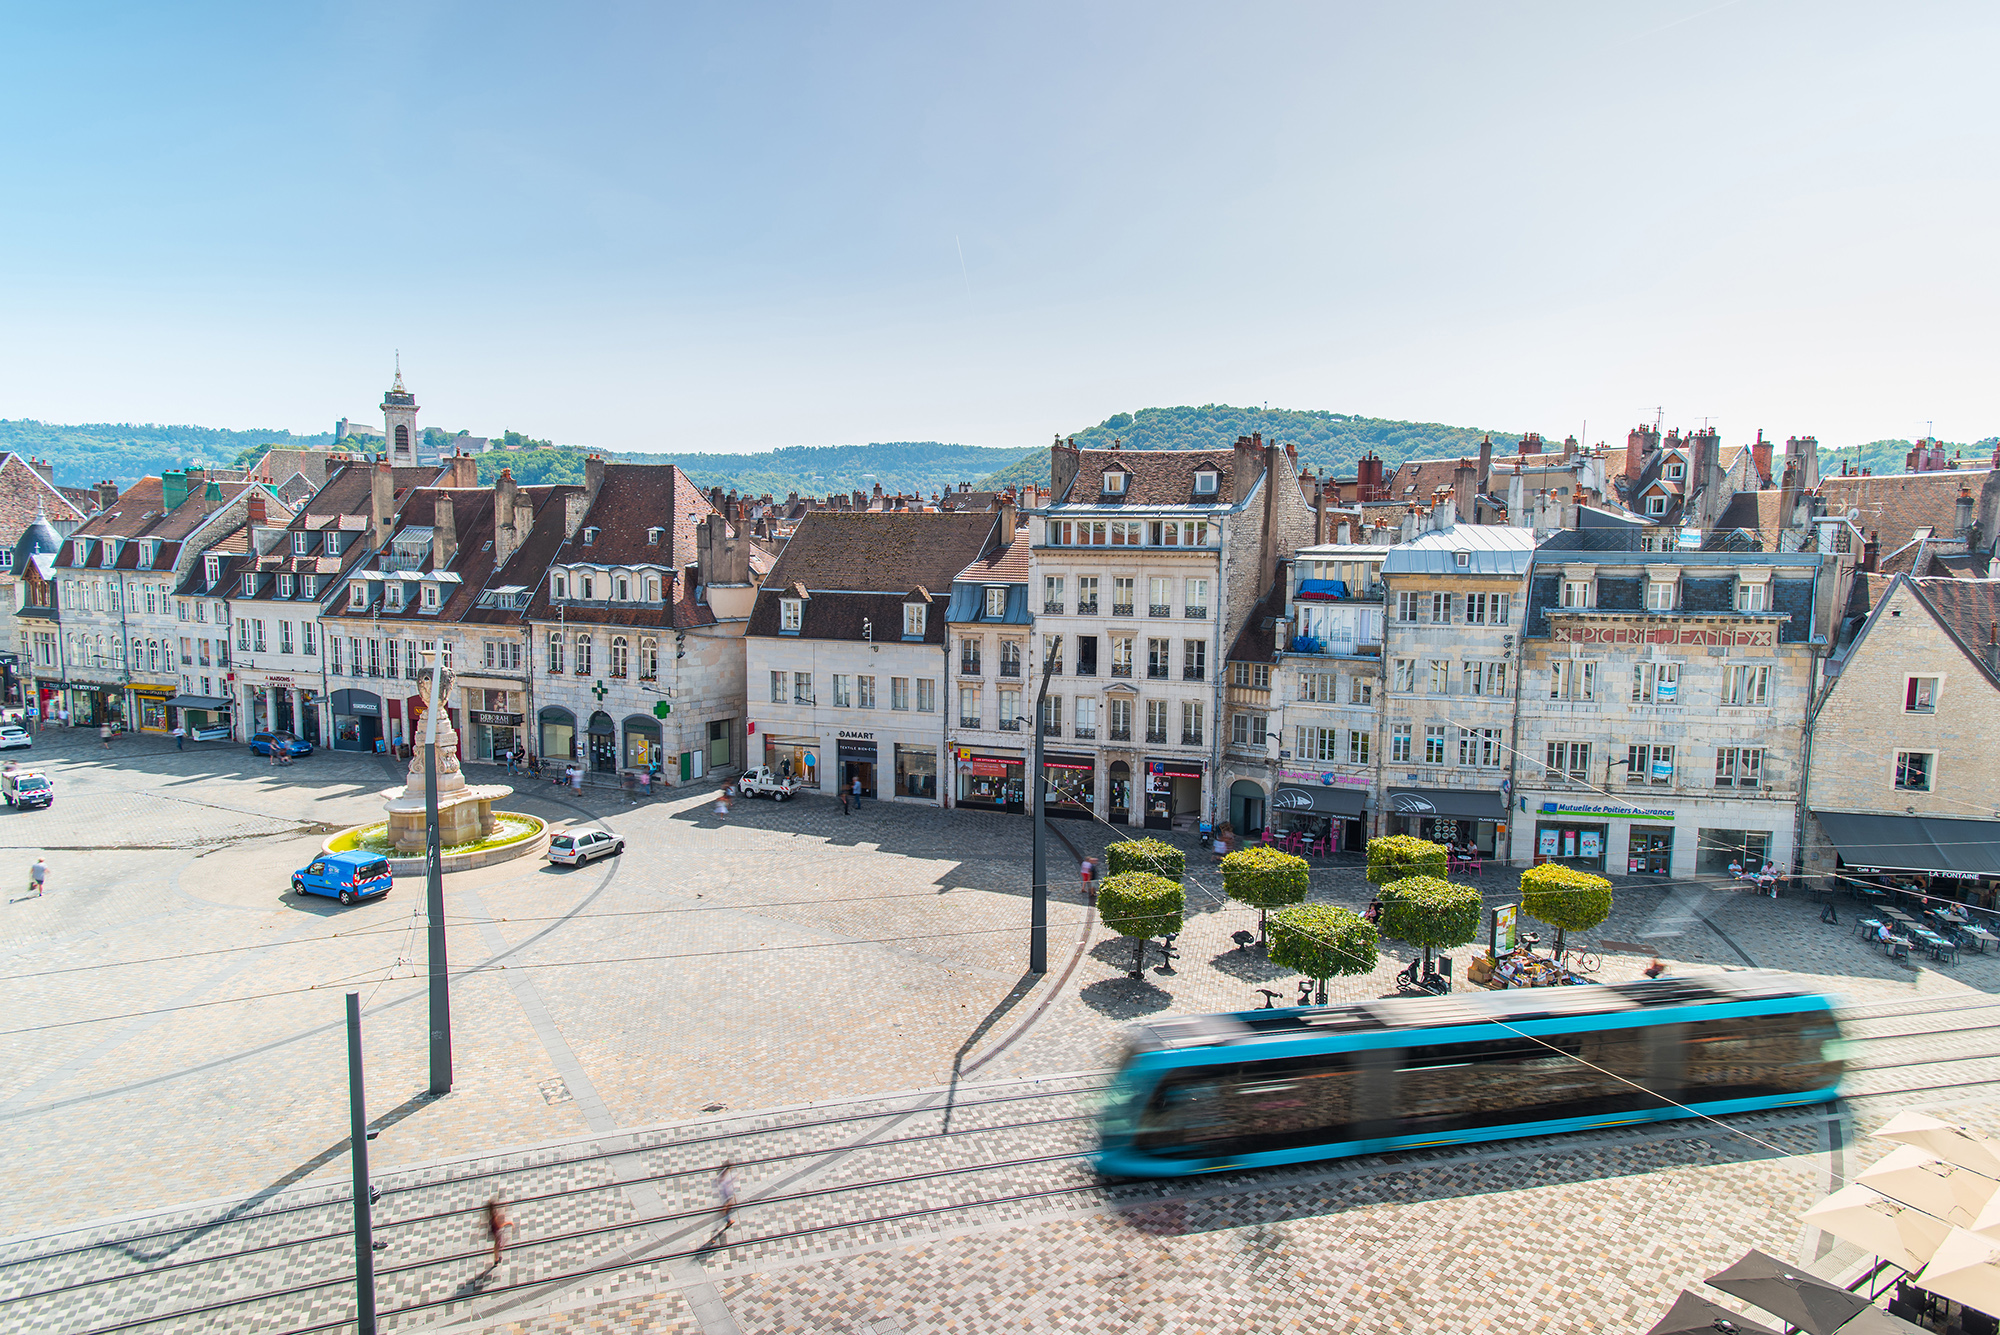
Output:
x=731 y=230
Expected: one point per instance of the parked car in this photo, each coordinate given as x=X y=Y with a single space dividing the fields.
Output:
x=14 y=735
x=767 y=782
x=264 y=743
x=26 y=787
x=346 y=876
x=577 y=847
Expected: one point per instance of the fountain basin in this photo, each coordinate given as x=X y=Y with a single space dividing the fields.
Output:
x=516 y=834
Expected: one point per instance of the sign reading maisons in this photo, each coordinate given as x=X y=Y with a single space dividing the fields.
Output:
x=1711 y=637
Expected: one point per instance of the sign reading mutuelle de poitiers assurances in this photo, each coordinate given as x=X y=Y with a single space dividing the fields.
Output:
x=1612 y=809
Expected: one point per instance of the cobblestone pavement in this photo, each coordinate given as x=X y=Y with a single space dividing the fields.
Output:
x=179 y=1078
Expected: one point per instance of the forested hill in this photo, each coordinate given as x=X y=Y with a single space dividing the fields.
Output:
x=1332 y=441
x=124 y=452
x=922 y=467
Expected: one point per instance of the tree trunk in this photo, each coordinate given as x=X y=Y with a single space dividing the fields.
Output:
x=1559 y=943
x=1138 y=957
x=1262 y=943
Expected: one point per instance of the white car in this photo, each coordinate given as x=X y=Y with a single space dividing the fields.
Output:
x=576 y=847
x=13 y=735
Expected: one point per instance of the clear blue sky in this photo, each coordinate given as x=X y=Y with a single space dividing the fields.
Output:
x=647 y=226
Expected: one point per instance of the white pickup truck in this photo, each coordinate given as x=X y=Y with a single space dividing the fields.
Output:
x=767 y=782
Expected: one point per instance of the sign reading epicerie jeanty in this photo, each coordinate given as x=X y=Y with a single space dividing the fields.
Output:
x=1711 y=637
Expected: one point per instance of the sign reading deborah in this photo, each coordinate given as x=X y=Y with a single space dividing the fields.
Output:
x=1606 y=809
x=496 y=720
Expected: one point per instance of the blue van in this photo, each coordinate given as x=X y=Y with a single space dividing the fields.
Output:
x=349 y=876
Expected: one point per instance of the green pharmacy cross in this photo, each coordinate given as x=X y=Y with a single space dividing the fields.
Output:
x=599 y=691
x=661 y=709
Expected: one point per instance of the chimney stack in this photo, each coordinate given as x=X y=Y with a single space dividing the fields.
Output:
x=381 y=506
x=444 y=534
x=1010 y=517
x=506 y=537
x=1964 y=512
x=253 y=507
x=1463 y=496
x=1319 y=511
x=1486 y=465
x=593 y=476
x=1760 y=457
x=1063 y=463
x=1869 y=550
x=107 y=495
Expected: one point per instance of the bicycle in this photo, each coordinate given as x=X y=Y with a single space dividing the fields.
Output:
x=1580 y=960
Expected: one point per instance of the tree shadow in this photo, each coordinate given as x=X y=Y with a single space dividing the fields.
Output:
x=1125 y=998
x=1250 y=964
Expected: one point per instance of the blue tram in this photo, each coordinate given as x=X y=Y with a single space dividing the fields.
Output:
x=1205 y=1093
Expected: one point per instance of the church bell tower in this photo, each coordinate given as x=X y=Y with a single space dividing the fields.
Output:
x=399 y=422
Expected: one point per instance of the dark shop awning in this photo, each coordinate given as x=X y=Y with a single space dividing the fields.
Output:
x=1459 y=804
x=1940 y=844
x=1325 y=801
x=198 y=702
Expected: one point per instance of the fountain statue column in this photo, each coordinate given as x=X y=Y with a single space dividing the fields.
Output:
x=465 y=811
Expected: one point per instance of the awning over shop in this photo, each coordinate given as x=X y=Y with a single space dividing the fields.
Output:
x=357 y=703
x=198 y=702
x=1325 y=800
x=1940 y=844
x=1458 y=804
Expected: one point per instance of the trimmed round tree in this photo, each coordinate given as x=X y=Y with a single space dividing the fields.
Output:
x=1430 y=912
x=1154 y=856
x=1265 y=879
x=1322 y=941
x=1140 y=905
x=1396 y=856
x=1565 y=898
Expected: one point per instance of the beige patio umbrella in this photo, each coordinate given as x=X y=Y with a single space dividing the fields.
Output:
x=1946 y=1140
x=1966 y=1268
x=1898 y=1233
x=1914 y=1176
x=1988 y=1221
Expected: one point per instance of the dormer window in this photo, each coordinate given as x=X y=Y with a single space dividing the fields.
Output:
x=1656 y=505
x=309 y=585
x=624 y=587
x=1750 y=597
x=249 y=586
x=392 y=595
x=589 y=536
x=652 y=588
x=791 y=614
x=586 y=587
x=79 y=552
x=1114 y=484
x=1463 y=560
x=1674 y=471
x=211 y=568
x=302 y=543
x=653 y=536
x=913 y=620
x=284 y=586
x=430 y=597
x=110 y=557
x=996 y=603
x=558 y=586
x=1205 y=482
x=332 y=543
x=357 y=596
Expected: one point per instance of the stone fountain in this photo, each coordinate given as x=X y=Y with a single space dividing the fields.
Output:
x=465 y=811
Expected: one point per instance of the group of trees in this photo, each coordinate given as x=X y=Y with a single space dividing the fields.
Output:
x=1142 y=898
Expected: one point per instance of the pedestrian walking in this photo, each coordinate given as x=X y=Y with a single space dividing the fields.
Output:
x=180 y=738
x=576 y=779
x=722 y=803
x=496 y=1224
x=725 y=1190
x=857 y=792
x=38 y=876
x=104 y=735
x=1088 y=871
x=1655 y=969
x=843 y=801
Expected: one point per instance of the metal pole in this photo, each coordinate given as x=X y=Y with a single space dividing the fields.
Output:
x=364 y=1228
x=1038 y=913
x=434 y=894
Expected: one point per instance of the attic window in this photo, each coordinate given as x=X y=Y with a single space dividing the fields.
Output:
x=357 y=596
x=1675 y=471
x=791 y=614
x=302 y=543
x=211 y=568
x=1656 y=505
x=1204 y=482
x=392 y=595
x=1921 y=534
x=249 y=586
x=430 y=597
x=1409 y=489
x=589 y=536
x=1114 y=484
x=332 y=543
x=558 y=586
x=1463 y=559
x=653 y=536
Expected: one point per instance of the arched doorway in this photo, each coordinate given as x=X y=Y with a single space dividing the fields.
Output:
x=1246 y=807
x=642 y=743
x=558 y=734
x=603 y=744
x=1120 y=778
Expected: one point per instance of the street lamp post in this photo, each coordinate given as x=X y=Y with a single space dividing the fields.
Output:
x=1038 y=912
x=434 y=895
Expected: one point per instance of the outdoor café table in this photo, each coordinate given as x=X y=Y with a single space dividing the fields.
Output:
x=1895 y=913
x=1980 y=936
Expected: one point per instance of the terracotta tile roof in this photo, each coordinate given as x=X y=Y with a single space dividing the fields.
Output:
x=1898 y=505
x=1153 y=477
x=856 y=567
x=26 y=494
x=1009 y=565
x=633 y=499
x=1756 y=511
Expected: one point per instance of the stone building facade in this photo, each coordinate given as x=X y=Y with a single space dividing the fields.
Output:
x=1663 y=702
x=991 y=741
x=1903 y=739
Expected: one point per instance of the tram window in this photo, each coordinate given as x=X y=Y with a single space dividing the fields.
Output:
x=1253 y=1106
x=1457 y=1087
x=1756 y=1056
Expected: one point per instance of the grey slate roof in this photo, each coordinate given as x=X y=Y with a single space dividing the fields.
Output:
x=1494 y=549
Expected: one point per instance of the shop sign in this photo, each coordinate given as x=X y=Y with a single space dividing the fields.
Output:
x=1602 y=809
x=496 y=720
x=1500 y=934
x=1325 y=778
x=277 y=681
x=987 y=767
x=1711 y=637
x=857 y=736
x=1922 y=871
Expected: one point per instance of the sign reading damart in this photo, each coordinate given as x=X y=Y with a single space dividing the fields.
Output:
x=1712 y=637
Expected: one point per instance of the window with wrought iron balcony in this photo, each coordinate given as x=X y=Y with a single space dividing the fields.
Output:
x=1160 y=609
x=1121 y=609
x=1197 y=613
x=1008 y=725
x=1088 y=609
x=1190 y=739
x=1156 y=736
x=969 y=721
x=1052 y=607
x=1052 y=727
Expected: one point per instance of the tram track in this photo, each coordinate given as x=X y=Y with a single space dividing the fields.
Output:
x=715 y=1133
